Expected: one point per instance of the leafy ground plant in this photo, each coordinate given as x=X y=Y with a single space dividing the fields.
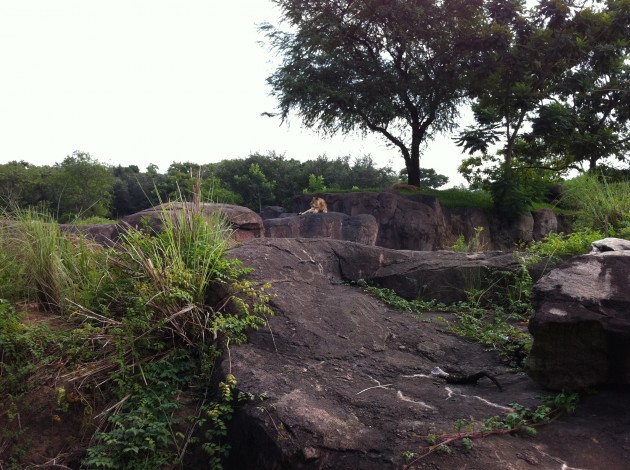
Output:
x=474 y=244
x=558 y=246
x=520 y=419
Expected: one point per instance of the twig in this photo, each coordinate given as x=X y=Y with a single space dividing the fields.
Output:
x=376 y=386
x=227 y=348
x=116 y=405
x=86 y=312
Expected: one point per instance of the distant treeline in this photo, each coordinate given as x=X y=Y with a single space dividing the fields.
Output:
x=82 y=187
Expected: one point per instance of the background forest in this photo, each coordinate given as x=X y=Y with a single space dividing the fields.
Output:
x=82 y=187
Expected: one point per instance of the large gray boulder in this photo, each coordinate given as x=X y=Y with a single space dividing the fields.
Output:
x=347 y=379
x=402 y=223
x=445 y=276
x=610 y=244
x=581 y=327
x=246 y=224
x=360 y=228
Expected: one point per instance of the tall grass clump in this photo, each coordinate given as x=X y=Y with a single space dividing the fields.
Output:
x=600 y=205
x=44 y=265
x=180 y=276
x=459 y=197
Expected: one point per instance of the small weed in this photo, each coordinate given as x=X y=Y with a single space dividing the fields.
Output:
x=520 y=419
x=444 y=449
x=468 y=443
x=474 y=244
x=408 y=456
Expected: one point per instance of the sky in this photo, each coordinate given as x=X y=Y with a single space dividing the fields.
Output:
x=135 y=82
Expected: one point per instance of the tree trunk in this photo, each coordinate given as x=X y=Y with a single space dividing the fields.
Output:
x=413 y=164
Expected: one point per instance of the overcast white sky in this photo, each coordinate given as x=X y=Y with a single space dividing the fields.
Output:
x=154 y=81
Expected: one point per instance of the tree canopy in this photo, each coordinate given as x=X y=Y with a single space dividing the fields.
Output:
x=395 y=68
x=554 y=88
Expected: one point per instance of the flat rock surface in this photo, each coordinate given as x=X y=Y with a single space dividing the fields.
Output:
x=347 y=382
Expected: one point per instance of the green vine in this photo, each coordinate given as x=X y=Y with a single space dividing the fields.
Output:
x=520 y=419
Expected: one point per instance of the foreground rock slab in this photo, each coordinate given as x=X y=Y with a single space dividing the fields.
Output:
x=347 y=380
x=581 y=327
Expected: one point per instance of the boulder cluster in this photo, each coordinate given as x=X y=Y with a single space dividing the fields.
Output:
x=348 y=380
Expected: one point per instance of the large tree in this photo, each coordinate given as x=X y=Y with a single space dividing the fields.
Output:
x=396 y=68
x=588 y=121
x=80 y=186
x=560 y=66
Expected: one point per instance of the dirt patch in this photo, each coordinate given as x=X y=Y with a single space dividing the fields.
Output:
x=46 y=427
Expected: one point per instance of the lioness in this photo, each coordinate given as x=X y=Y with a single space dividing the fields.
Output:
x=317 y=205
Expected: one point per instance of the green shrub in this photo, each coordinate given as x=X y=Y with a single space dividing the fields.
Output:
x=511 y=196
x=156 y=313
x=557 y=246
x=166 y=277
x=173 y=294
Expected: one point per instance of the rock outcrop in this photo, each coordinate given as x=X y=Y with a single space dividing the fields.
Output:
x=360 y=228
x=103 y=234
x=465 y=221
x=419 y=222
x=402 y=223
x=348 y=381
x=544 y=222
x=385 y=219
x=246 y=224
x=339 y=368
x=581 y=327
